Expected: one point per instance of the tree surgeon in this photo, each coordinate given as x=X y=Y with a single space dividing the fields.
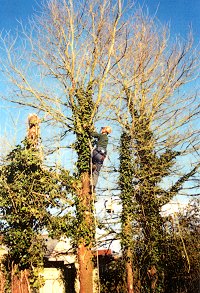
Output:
x=99 y=152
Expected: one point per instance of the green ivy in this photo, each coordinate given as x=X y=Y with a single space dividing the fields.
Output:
x=28 y=191
x=82 y=111
x=141 y=170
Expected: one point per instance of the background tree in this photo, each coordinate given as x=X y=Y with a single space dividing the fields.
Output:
x=126 y=172
x=181 y=250
x=28 y=193
x=155 y=115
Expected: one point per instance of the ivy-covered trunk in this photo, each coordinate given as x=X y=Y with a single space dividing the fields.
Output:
x=20 y=280
x=149 y=171
x=141 y=171
x=85 y=238
x=85 y=217
x=125 y=183
x=147 y=174
x=27 y=192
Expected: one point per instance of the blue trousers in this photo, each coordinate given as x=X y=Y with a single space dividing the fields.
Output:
x=98 y=156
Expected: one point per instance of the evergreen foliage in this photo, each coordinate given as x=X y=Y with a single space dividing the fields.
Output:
x=28 y=192
x=83 y=99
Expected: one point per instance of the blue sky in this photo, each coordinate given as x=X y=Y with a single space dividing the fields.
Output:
x=13 y=10
x=180 y=13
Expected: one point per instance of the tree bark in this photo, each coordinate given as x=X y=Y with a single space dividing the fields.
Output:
x=129 y=277
x=85 y=269
x=2 y=282
x=20 y=284
x=85 y=241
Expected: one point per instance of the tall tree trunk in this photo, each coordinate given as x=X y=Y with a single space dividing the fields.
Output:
x=153 y=277
x=125 y=182
x=129 y=260
x=85 y=268
x=129 y=276
x=20 y=284
x=85 y=242
x=2 y=281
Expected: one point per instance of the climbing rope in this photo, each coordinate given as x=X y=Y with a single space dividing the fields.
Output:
x=95 y=218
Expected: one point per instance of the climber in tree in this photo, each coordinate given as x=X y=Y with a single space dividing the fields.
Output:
x=99 y=152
